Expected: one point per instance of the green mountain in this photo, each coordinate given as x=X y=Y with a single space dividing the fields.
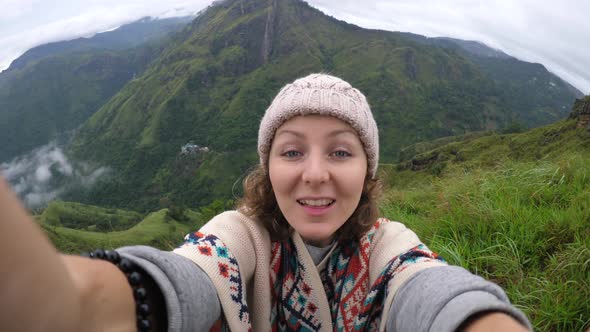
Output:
x=54 y=88
x=537 y=96
x=211 y=87
x=126 y=36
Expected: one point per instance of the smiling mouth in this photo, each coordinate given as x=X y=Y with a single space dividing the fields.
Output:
x=316 y=202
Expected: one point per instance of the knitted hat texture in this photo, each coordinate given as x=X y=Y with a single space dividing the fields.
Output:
x=324 y=95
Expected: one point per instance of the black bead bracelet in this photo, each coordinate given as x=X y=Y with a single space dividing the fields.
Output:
x=135 y=278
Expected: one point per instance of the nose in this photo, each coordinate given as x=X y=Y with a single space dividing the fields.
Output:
x=315 y=170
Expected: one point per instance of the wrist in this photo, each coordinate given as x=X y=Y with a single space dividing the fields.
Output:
x=105 y=296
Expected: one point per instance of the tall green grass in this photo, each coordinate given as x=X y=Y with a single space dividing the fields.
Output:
x=523 y=225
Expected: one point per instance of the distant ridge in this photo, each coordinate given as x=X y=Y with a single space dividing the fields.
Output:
x=126 y=36
x=54 y=88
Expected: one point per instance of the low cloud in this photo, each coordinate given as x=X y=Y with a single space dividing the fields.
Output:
x=46 y=173
x=22 y=27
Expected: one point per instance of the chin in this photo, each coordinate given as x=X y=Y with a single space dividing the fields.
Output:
x=316 y=240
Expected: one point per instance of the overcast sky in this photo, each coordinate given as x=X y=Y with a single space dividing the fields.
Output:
x=555 y=33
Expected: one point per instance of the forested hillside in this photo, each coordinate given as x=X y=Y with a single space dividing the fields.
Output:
x=54 y=88
x=537 y=96
x=211 y=88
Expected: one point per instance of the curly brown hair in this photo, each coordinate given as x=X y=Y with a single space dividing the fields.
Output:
x=259 y=203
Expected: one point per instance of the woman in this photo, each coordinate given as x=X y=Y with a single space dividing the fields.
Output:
x=304 y=252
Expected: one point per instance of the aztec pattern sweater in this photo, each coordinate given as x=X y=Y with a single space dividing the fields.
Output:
x=351 y=289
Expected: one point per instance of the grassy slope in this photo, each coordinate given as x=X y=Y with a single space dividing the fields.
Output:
x=155 y=230
x=86 y=217
x=162 y=229
x=512 y=208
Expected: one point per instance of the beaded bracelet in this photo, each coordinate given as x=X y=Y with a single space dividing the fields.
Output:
x=135 y=278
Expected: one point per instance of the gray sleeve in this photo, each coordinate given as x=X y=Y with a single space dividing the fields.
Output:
x=191 y=299
x=441 y=298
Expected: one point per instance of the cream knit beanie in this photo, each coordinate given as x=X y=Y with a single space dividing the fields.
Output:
x=325 y=95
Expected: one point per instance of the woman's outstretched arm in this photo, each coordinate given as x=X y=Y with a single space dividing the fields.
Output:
x=450 y=298
x=43 y=290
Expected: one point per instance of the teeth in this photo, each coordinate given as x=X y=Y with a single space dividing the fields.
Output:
x=316 y=202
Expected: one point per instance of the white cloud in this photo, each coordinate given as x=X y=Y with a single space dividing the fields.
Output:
x=95 y=16
x=554 y=33
x=46 y=173
x=42 y=174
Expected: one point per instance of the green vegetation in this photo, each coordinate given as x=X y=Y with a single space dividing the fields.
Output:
x=537 y=96
x=516 y=212
x=75 y=227
x=529 y=86
x=212 y=85
x=155 y=230
x=86 y=217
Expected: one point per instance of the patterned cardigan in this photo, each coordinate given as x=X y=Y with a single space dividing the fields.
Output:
x=265 y=285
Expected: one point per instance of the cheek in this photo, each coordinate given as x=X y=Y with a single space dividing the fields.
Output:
x=355 y=188
x=272 y=173
x=354 y=180
x=280 y=178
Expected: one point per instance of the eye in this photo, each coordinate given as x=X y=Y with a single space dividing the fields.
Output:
x=341 y=154
x=291 y=154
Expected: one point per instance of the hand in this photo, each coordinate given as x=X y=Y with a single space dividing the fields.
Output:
x=41 y=290
x=492 y=322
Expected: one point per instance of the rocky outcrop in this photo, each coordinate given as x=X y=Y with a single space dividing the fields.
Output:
x=581 y=112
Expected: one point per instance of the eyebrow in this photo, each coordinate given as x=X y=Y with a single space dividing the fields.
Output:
x=287 y=131
x=331 y=134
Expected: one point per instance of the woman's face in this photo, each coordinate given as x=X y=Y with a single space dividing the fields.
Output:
x=317 y=168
